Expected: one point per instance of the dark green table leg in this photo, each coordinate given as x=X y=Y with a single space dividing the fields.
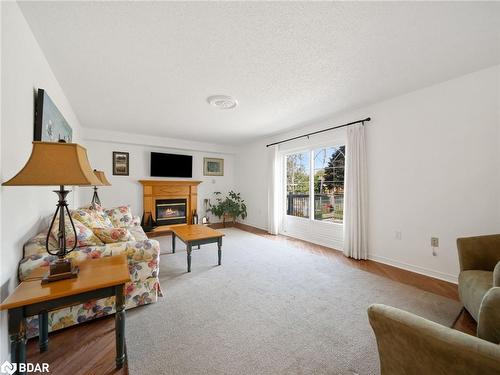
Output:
x=43 y=331
x=199 y=247
x=17 y=335
x=219 y=251
x=173 y=242
x=189 y=256
x=120 y=326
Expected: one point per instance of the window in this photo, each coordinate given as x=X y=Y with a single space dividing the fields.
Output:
x=329 y=165
x=326 y=181
x=297 y=184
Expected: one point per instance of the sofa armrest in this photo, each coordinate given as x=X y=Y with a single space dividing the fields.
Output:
x=479 y=253
x=496 y=275
x=136 y=221
x=142 y=256
x=488 y=326
x=36 y=245
x=409 y=344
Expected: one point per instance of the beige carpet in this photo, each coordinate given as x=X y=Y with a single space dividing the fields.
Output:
x=269 y=309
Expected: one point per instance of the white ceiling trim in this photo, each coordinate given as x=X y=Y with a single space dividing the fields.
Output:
x=109 y=136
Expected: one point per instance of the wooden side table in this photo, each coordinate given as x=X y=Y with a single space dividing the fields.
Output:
x=196 y=235
x=98 y=278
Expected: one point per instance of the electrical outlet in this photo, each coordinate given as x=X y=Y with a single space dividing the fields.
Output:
x=434 y=241
x=398 y=235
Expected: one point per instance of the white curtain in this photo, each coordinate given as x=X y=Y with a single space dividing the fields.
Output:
x=356 y=195
x=274 y=189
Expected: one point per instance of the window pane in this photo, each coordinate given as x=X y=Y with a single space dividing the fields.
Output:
x=297 y=184
x=329 y=165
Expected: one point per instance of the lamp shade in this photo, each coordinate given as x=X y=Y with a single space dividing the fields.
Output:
x=102 y=177
x=56 y=164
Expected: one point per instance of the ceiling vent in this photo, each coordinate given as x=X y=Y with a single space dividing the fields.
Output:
x=222 y=101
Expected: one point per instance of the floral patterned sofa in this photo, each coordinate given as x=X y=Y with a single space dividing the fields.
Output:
x=119 y=224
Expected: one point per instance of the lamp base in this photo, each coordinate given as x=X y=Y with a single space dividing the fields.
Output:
x=60 y=270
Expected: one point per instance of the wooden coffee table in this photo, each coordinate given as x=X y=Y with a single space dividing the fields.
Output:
x=98 y=278
x=196 y=235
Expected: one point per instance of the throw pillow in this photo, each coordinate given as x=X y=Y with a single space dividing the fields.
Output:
x=85 y=237
x=121 y=217
x=92 y=218
x=113 y=235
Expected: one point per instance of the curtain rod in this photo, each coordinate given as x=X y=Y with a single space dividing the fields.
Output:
x=320 y=131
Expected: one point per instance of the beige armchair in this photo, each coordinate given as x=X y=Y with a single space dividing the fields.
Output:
x=411 y=345
x=479 y=283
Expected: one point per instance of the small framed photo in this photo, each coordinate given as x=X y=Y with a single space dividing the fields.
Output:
x=120 y=163
x=213 y=167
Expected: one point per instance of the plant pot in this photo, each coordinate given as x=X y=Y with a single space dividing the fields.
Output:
x=228 y=219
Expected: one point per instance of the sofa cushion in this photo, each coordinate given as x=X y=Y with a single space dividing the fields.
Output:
x=85 y=236
x=92 y=218
x=121 y=217
x=113 y=235
x=472 y=286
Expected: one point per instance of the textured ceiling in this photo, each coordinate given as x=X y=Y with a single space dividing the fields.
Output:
x=148 y=67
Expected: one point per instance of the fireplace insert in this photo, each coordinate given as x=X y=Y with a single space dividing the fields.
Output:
x=171 y=211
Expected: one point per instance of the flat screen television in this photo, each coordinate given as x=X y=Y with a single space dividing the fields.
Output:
x=171 y=165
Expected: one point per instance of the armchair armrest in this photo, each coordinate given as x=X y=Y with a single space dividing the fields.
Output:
x=496 y=275
x=409 y=344
x=479 y=253
x=488 y=327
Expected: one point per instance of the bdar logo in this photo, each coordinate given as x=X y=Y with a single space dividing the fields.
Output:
x=8 y=368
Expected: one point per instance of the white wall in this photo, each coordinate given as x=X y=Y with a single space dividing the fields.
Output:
x=127 y=189
x=252 y=173
x=23 y=69
x=433 y=159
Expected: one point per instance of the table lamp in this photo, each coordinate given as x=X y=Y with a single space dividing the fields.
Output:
x=104 y=182
x=57 y=164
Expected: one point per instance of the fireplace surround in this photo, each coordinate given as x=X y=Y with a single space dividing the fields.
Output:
x=159 y=194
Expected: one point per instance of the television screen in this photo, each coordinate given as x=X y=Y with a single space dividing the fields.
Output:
x=171 y=165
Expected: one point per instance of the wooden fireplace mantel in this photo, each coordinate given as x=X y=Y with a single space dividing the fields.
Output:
x=170 y=189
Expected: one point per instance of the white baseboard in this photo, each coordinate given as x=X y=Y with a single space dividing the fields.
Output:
x=417 y=269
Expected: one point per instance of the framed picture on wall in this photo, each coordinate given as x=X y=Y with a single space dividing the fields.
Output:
x=50 y=124
x=120 y=163
x=213 y=167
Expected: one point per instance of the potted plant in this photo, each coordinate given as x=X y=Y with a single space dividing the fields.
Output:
x=229 y=208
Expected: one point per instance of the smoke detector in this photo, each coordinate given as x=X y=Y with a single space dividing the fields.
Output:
x=222 y=101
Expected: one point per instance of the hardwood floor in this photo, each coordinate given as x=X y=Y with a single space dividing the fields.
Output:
x=89 y=348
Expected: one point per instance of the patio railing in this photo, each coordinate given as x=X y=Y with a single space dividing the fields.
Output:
x=326 y=207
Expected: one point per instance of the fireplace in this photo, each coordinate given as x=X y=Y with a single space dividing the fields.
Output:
x=171 y=211
x=169 y=191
